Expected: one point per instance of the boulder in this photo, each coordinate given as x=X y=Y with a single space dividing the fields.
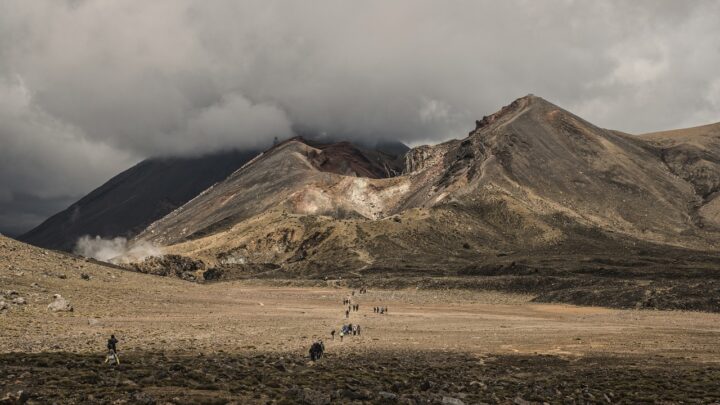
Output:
x=3 y=306
x=60 y=304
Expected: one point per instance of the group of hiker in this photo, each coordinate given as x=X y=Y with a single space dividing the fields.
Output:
x=317 y=349
x=351 y=308
x=347 y=329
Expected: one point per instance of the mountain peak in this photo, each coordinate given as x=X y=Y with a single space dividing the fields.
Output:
x=518 y=106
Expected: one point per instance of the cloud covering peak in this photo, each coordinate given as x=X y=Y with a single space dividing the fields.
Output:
x=88 y=87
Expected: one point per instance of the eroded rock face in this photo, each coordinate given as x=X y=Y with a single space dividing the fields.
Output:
x=60 y=304
x=695 y=165
x=172 y=265
x=417 y=158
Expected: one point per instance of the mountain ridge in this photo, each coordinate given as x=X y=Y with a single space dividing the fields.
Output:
x=531 y=177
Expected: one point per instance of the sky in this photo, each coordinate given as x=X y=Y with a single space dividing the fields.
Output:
x=90 y=87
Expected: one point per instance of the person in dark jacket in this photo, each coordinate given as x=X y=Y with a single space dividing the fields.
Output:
x=316 y=350
x=112 y=351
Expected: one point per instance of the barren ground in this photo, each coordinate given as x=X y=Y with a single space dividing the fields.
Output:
x=182 y=342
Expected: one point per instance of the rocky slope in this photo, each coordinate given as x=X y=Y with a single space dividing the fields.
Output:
x=133 y=199
x=693 y=154
x=533 y=185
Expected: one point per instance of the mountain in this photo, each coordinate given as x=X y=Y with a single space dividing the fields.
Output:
x=532 y=186
x=693 y=154
x=133 y=199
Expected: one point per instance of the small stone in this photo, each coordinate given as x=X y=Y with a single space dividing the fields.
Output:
x=22 y=397
x=85 y=276
x=387 y=395
x=520 y=401
x=451 y=401
x=19 y=301
x=479 y=384
x=60 y=304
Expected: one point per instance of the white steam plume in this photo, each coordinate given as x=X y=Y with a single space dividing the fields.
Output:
x=116 y=250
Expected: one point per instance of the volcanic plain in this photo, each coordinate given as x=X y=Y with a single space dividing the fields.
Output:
x=247 y=342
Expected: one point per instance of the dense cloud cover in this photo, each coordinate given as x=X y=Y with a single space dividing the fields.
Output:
x=88 y=87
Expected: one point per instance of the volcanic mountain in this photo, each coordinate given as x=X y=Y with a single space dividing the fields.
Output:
x=532 y=186
x=133 y=199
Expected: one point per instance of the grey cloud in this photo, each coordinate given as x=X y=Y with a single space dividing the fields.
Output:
x=89 y=87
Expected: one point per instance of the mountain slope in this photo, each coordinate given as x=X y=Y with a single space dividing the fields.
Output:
x=532 y=183
x=130 y=201
x=693 y=154
x=293 y=174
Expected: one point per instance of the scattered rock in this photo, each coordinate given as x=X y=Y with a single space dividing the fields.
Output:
x=62 y=276
x=60 y=304
x=388 y=396
x=451 y=401
x=520 y=401
x=19 y=301
x=142 y=398
x=480 y=384
x=3 y=306
x=20 y=397
x=85 y=276
x=93 y=322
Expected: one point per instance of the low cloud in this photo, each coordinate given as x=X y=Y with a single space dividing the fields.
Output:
x=116 y=250
x=88 y=88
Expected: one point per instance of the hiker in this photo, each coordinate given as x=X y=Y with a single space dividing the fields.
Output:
x=342 y=333
x=332 y=334
x=357 y=307
x=347 y=313
x=354 y=330
x=112 y=350
x=316 y=350
x=358 y=330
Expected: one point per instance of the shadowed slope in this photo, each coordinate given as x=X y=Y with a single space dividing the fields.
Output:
x=130 y=201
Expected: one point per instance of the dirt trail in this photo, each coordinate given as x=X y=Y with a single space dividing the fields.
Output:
x=235 y=317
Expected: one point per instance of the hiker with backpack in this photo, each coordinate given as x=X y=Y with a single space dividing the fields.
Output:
x=316 y=350
x=112 y=356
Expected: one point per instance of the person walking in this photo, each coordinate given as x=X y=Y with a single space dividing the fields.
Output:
x=332 y=334
x=112 y=351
